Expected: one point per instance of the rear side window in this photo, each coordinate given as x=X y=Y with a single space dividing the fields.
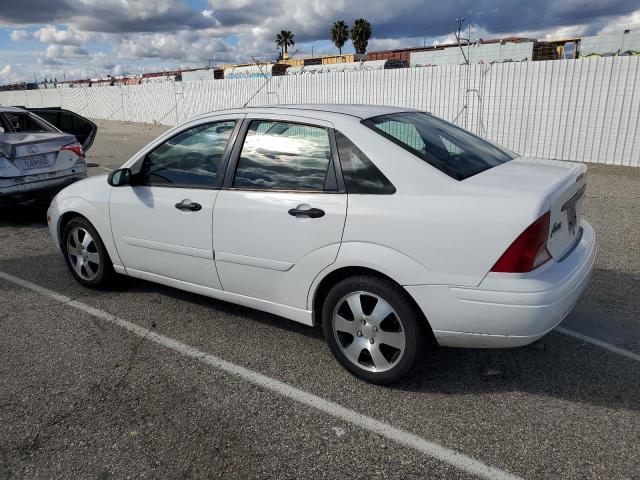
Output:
x=190 y=159
x=360 y=174
x=25 y=123
x=454 y=151
x=283 y=156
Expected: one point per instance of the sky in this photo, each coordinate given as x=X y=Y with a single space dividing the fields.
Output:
x=66 y=39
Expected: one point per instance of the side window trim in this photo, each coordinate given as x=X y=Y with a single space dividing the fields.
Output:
x=232 y=162
x=332 y=185
x=223 y=162
x=4 y=123
x=335 y=162
x=391 y=189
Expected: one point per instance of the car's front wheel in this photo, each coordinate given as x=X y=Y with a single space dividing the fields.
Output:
x=85 y=254
x=371 y=328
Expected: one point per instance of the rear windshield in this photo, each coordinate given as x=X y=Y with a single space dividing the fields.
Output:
x=23 y=122
x=452 y=150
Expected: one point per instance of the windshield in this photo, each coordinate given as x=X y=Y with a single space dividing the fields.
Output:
x=452 y=150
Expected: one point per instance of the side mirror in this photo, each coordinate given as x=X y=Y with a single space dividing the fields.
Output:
x=120 y=177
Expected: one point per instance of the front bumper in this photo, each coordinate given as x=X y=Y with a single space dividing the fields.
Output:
x=509 y=310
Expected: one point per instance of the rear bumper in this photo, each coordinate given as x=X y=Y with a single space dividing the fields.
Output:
x=30 y=186
x=509 y=310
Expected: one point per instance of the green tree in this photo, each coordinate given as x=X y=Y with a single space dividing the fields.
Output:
x=360 y=34
x=284 y=40
x=339 y=34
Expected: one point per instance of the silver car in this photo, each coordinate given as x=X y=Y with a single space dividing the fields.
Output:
x=41 y=151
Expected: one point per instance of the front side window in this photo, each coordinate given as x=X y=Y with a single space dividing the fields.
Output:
x=190 y=159
x=283 y=156
x=454 y=151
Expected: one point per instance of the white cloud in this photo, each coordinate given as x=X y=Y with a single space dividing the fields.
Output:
x=65 y=51
x=61 y=54
x=19 y=35
x=620 y=24
x=70 y=36
x=184 y=45
x=5 y=71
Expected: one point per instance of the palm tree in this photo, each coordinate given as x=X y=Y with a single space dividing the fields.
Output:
x=339 y=34
x=284 y=40
x=360 y=34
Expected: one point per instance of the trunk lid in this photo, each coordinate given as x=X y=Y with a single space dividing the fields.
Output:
x=30 y=152
x=559 y=186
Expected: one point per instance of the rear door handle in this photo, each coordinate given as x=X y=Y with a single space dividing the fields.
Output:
x=188 y=205
x=309 y=212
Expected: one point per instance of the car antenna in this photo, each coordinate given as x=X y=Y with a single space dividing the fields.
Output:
x=262 y=86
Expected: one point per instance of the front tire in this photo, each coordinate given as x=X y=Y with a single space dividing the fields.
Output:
x=85 y=255
x=372 y=328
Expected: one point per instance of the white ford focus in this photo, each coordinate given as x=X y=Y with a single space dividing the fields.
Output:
x=389 y=227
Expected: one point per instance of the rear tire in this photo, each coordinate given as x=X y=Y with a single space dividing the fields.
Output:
x=85 y=255
x=372 y=328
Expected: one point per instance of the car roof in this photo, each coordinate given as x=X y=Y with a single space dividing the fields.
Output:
x=11 y=109
x=353 y=110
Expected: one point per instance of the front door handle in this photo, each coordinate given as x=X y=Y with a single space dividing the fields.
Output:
x=188 y=205
x=309 y=212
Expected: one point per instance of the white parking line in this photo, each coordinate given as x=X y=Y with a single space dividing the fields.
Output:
x=105 y=168
x=599 y=343
x=402 y=437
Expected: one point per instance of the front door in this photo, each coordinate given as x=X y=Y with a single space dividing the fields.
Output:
x=163 y=223
x=279 y=220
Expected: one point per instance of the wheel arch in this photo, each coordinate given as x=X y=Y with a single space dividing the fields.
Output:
x=339 y=274
x=72 y=207
x=64 y=219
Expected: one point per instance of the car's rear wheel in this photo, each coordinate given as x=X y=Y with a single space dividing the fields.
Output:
x=85 y=254
x=372 y=328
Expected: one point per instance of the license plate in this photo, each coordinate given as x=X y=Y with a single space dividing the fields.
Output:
x=35 y=162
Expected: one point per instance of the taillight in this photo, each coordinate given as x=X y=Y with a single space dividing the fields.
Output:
x=75 y=148
x=528 y=251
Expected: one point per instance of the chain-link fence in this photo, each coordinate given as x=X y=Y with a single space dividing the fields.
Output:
x=585 y=110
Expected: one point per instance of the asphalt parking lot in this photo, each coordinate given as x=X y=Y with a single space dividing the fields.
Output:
x=144 y=381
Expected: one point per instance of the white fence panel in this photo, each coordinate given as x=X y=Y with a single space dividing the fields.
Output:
x=583 y=110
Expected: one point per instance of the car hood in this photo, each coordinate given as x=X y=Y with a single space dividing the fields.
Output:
x=88 y=188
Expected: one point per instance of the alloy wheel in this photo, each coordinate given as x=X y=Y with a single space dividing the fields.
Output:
x=83 y=255
x=369 y=331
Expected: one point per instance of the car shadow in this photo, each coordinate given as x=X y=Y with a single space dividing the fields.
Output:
x=558 y=366
x=26 y=214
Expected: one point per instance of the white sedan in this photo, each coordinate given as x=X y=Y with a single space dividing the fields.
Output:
x=391 y=228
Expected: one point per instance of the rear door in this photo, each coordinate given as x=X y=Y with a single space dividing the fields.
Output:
x=279 y=219
x=69 y=122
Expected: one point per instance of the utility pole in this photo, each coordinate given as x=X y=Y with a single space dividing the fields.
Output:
x=460 y=21
x=469 y=46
